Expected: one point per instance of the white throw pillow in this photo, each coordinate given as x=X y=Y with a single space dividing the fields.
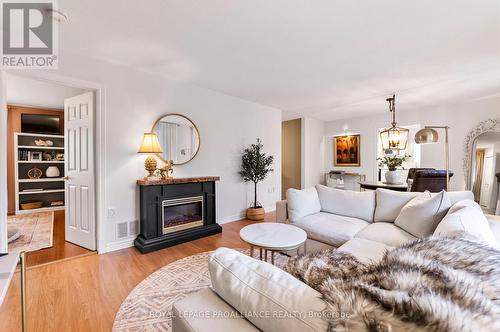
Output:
x=457 y=196
x=422 y=214
x=466 y=219
x=390 y=203
x=257 y=289
x=302 y=203
x=347 y=203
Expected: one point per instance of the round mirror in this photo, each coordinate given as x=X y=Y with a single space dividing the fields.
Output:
x=179 y=138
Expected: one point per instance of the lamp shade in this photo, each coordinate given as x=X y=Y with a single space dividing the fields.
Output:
x=150 y=144
x=426 y=136
x=394 y=138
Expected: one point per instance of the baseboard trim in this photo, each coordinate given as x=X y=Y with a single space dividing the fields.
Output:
x=242 y=215
x=118 y=245
x=234 y=217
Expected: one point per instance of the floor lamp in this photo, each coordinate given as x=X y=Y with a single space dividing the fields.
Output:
x=429 y=135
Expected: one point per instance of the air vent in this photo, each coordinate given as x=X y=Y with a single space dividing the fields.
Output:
x=122 y=230
x=133 y=227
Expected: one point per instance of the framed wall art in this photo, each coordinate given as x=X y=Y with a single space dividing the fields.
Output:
x=346 y=150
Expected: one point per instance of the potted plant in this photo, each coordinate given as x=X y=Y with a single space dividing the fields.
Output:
x=255 y=165
x=393 y=176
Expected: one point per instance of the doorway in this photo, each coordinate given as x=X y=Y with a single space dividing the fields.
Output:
x=43 y=148
x=291 y=155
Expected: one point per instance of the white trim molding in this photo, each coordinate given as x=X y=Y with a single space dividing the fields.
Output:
x=490 y=125
x=3 y=165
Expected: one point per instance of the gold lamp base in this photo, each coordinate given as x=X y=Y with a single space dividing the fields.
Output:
x=150 y=165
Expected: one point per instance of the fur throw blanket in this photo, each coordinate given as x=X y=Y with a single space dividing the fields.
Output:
x=432 y=284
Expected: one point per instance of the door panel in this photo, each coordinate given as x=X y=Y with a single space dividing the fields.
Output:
x=71 y=203
x=80 y=216
x=84 y=149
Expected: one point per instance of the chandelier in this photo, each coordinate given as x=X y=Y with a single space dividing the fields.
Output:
x=394 y=138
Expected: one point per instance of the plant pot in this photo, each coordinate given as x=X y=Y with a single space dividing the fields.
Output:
x=256 y=214
x=393 y=177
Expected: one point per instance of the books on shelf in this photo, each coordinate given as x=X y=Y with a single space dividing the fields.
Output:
x=32 y=190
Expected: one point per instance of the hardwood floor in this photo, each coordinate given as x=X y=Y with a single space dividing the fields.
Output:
x=84 y=294
x=60 y=248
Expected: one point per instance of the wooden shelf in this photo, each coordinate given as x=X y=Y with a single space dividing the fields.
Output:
x=25 y=142
x=41 y=161
x=36 y=147
x=46 y=191
x=43 y=209
x=40 y=135
x=41 y=180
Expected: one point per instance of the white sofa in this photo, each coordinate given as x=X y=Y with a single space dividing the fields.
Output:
x=362 y=223
x=365 y=224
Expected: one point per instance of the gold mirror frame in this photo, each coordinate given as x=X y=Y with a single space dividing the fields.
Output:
x=194 y=126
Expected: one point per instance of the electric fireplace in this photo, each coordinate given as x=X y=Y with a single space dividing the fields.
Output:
x=174 y=211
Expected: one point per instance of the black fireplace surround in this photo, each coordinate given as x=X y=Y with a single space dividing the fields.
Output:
x=174 y=211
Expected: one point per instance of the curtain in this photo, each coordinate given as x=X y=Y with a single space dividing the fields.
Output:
x=478 y=178
x=193 y=142
x=167 y=135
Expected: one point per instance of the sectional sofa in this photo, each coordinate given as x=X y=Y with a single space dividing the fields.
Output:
x=365 y=224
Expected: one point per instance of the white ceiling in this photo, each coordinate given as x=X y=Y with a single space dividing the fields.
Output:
x=328 y=59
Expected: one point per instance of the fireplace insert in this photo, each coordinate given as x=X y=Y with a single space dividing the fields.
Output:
x=182 y=213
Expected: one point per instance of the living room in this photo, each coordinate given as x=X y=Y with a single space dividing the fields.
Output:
x=213 y=151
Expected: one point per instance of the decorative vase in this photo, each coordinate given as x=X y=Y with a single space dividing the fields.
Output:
x=392 y=177
x=256 y=214
x=52 y=172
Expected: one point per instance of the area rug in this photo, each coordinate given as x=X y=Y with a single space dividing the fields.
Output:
x=35 y=231
x=149 y=306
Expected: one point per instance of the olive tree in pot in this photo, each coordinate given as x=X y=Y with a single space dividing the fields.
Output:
x=255 y=165
x=393 y=176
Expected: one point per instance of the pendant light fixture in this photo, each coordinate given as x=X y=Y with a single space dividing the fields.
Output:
x=394 y=138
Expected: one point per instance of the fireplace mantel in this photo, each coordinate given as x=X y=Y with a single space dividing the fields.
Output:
x=158 y=198
x=177 y=180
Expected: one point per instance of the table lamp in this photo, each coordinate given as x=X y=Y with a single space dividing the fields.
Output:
x=150 y=145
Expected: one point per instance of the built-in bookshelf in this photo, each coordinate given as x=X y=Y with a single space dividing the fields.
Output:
x=34 y=154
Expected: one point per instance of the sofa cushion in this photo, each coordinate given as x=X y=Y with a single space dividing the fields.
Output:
x=330 y=228
x=252 y=286
x=466 y=219
x=365 y=250
x=422 y=214
x=347 y=203
x=387 y=233
x=302 y=203
x=206 y=311
x=390 y=203
x=457 y=196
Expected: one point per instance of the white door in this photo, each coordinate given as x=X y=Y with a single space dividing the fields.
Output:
x=487 y=184
x=79 y=170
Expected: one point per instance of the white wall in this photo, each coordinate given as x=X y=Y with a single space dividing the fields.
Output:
x=28 y=92
x=133 y=101
x=460 y=117
x=313 y=152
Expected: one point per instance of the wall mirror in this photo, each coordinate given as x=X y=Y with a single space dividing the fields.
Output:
x=179 y=138
x=482 y=163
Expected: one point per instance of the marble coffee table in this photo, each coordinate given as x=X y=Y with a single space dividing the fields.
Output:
x=270 y=236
